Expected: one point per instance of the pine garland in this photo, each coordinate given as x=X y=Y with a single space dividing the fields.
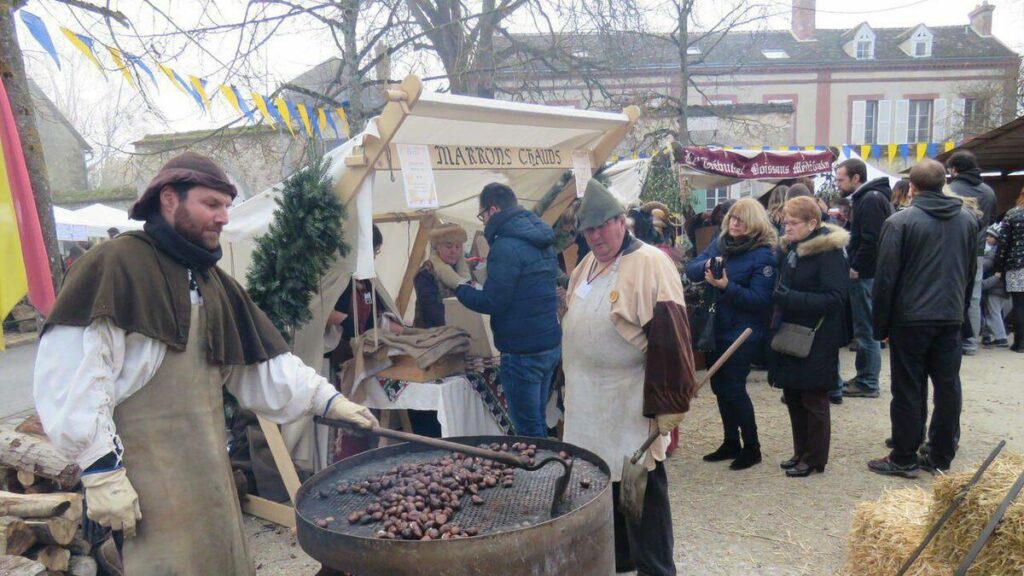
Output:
x=304 y=238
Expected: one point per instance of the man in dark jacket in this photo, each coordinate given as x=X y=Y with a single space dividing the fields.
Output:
x=870 y=207
x=966 y=182
x=519 y=294
x=926 y=260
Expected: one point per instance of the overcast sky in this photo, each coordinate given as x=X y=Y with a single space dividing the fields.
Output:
x=294 y=48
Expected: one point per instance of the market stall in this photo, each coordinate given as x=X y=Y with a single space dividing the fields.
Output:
x=451 y=146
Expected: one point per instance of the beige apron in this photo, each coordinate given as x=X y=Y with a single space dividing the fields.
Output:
x=604 y=380
x=175 y=453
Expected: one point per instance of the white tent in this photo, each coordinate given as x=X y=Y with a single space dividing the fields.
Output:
x=108 y=217
x=471 y=142
x=627 y=179
x=873 y=172
x=75 y=227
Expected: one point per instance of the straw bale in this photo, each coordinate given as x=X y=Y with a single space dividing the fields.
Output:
x=1004 y=553
x=885 y=532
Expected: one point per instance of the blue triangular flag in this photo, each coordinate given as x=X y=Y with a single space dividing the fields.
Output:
x=904 y=151
x=933 y=149
x=274 y=112
x=242 y=104
x=192 y=91
x=876 y=151
x=330 y=120
x=847 y=151
x=138 y=62
x=37 y=28
x=794 y=148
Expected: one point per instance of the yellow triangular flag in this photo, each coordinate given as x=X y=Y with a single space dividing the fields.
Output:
x=198 y=85
x=344 y=121
x=809 y=148
x=891 y=152
x=82 y=47
x=170 y=76
x=119 y=62
x=321 y=120
x=948 y=146
x=922 y=148
x=229 y=95
x=865 y=151
x=304 y=116
x=261 y=105
x=286 y=116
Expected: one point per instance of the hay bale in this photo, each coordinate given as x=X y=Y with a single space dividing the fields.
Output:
x=885 y=532
x=1004 y=553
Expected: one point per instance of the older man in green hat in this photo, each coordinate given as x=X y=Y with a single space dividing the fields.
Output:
x=628 y=367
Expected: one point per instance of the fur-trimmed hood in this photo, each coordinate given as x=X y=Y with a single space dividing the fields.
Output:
x=830 y=237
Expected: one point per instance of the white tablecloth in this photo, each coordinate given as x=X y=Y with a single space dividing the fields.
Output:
x=460 y=410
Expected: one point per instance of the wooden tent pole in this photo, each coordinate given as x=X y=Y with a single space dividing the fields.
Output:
x=419 y=250
x=605 y=146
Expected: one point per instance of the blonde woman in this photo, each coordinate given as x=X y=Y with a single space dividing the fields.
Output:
x=740 y=270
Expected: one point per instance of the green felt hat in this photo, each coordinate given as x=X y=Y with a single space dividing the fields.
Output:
x=598 y=206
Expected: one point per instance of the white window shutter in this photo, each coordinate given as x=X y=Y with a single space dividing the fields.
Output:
x=940 y=121
x=959 y=112
x=857 y=119
x=902 y=121
x=884 y=131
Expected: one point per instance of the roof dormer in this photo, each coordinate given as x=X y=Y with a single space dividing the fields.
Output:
x=861 y=43
x=917 y=42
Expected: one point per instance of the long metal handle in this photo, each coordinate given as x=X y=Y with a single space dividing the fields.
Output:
x=426 y=441
x=951 y=508
x=707 y=378
x=993 y=523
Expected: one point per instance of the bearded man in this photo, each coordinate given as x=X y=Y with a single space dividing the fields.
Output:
x=628 y=368
x=146 y=332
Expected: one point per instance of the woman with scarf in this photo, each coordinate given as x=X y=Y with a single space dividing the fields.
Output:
x=740 y=270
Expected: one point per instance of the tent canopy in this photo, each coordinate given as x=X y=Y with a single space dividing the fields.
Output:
x=108 y=217
x=998 y=150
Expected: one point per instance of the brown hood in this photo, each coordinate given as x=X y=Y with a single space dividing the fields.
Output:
x=188 y=168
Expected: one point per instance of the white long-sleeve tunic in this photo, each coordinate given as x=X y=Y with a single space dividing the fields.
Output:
x=81 y=374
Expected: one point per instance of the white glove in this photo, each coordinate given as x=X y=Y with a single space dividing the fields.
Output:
x=344 y=409
x=112 y=501
x=668 y=422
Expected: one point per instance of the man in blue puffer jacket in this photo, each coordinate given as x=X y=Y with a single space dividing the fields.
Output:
x=520 y=297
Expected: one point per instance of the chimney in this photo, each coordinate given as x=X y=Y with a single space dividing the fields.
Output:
x=802 y=24
x=981 y=18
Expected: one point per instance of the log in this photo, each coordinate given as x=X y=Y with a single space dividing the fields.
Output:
x=31 y=425
x=26 y=478
x=65 y=504
x=15 y=536
x=53 y=557
x=20 y=566
x=38 y=456
x=59 y=531
x=79 y=546
x=82 y=566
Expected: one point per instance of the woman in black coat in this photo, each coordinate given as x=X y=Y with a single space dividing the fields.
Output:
x=811 y=292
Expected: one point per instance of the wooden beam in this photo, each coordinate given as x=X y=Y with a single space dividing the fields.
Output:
x=390 y=217
x=388 y=123
x=282 y=458
x=605 y=146
x=419 y=251
x=269 y=510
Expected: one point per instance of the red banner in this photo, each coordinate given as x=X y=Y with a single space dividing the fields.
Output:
x=761 y=166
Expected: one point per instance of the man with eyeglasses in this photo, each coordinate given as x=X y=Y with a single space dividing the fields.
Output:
x=519 y=295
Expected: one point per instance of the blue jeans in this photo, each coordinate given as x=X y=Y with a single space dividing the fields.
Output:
x=869 y=350
x=526 y=380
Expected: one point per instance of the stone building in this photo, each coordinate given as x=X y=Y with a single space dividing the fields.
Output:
x=64 y=149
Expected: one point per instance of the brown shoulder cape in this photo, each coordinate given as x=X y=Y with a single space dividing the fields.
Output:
x=649 y=312
x=142 y=289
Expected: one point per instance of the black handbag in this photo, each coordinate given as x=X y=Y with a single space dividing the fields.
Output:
x=703 y=325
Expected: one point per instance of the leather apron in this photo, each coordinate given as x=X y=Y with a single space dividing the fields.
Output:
x=175 y=454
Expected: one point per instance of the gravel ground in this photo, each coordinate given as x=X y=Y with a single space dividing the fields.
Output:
x=758 y=521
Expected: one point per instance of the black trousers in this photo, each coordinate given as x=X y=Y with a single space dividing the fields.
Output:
x=811 y=419
x=646 y=548
x=730 y=387
x=1017 y=317
x=920 y=352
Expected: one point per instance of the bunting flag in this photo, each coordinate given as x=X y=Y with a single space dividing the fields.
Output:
x=40 y=33
x=304 y=116
x=120 y=65
x=84 y=45
x=876 y=151
x=904 y=151
x=200 y=89
x=189 y=90
x=343 y=117
x=261 y=105
x=321 y=121
x=891 y=152
x=809 y=148
x=921 y=149
x=283 y=114
x=241 y=102
x=172 y=77
x=948 y=146
x=865 y=151
x=22 y=252
x=933 y=149
x=230 y=96
x=330 y=120
x=791 y=149
x=293 y=113
x=136 y=61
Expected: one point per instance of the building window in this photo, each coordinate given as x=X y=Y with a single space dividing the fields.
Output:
x=774 y=54
x=693 y=50
x=919 y=121
x=716 y=196
x=865 y=48
x=975 y=116
x=922 y=45
x=871 y=122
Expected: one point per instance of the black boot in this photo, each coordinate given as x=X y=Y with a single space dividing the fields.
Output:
x=727 y=451
x=750 y=455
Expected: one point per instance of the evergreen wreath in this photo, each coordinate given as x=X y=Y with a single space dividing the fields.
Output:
x=304 y=237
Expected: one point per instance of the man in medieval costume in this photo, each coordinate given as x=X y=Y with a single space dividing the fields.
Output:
x=628 y=368
x=146 y=332
x=445 y=267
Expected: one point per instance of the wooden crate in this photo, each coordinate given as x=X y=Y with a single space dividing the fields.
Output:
x=405 y=368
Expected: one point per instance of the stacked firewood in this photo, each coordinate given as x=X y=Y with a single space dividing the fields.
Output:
x=40 y=514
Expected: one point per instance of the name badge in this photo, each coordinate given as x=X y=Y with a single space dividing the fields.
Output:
x=367 y=298
x=582 y=290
